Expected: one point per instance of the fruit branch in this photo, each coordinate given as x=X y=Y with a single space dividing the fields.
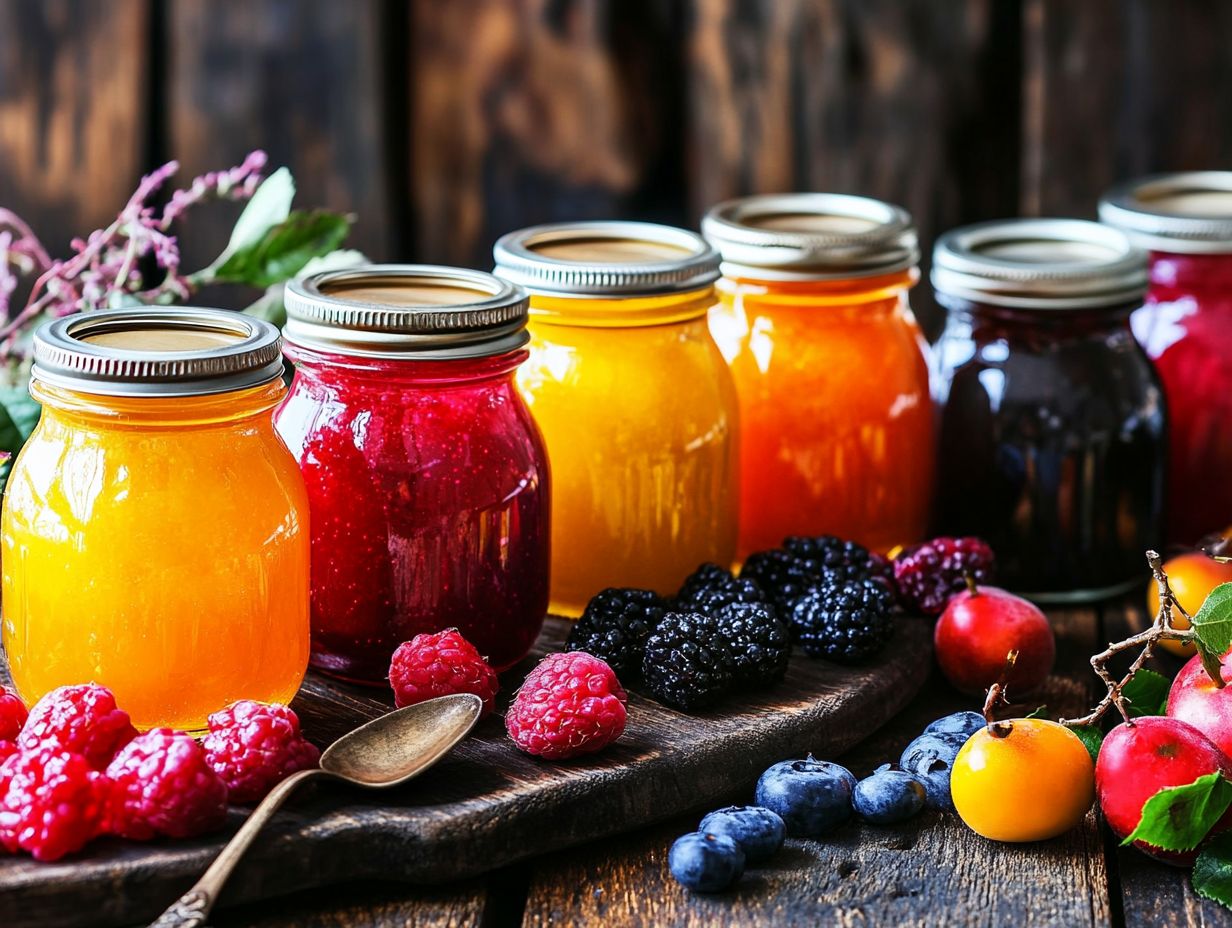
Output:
x=1159 y=630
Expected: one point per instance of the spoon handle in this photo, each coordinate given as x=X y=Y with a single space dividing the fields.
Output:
x=192 y=908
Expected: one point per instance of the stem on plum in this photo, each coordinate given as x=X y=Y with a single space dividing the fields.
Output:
x=996 y=695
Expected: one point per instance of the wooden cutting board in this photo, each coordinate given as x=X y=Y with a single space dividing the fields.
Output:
x=485 y=805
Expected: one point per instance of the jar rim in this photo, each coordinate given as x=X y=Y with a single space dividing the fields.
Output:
x=180 y=352
x=1040 y=264
x=1189 y=212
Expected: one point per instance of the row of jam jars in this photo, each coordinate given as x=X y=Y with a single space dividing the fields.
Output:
x=1185 y=220
x=427 y=477
x=1053 y=437
x=837 y=425
x=635 y=403
x=154 y=531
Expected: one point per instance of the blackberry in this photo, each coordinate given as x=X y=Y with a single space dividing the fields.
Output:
x=844 y=621
x=706 y=577
x=782 y=575
x=833 y=557
x=759 y=642
x=688 y=663
x=615 y=627
x=929 y=574
x=710 y=588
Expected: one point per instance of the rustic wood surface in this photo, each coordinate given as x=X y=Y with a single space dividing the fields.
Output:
x=486 y=805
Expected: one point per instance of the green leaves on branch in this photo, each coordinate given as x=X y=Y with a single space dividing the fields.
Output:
x=1177 y=819
x=284 y=249
x=1091 y=737
x=1212 y=872
x=1147 y=693
x=1212 y=627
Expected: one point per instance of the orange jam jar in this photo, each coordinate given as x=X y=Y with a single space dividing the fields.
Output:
x=154 y=528
x=830 y=368
x=634 y=401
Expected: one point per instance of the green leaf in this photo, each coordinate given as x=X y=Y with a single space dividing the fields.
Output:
x=1040 y=713
x=1147 y=692
x=1212 y=872
x=269 y=205
x=1091 y=737
x=1178 y=818
x=19 y=414
x=285 y=249
x=1213 y=622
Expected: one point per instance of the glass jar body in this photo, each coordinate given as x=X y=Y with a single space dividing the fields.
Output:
x=428 y=487
x=639 y=414
x=836 y=420
x=1186 y=328
x=1052 y=445
x=159 y=547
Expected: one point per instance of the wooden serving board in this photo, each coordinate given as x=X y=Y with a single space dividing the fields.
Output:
x=487 y=804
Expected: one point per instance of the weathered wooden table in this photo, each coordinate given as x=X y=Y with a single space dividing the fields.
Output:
x=931 y=871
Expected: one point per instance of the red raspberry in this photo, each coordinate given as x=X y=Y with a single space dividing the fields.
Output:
x=570 y=704
x=7 y=750
x=12 y=714
x=253 y=746
x=163 y=784
x=428 y=666
x=82 y=719
x=929 y=574
x=52 y=802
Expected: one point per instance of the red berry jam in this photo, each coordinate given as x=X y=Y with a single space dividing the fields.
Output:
x=427 y=483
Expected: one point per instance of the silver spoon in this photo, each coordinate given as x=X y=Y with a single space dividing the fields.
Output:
x=385 y=752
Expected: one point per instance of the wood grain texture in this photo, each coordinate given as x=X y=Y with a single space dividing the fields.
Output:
x=364 y=905
x=304 y=81
x=73 y=112
x=486 y=805
x=537 y=110
x=930 y=871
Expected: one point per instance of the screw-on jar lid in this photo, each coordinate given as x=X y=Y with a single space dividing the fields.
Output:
x=606 y=259
x=1189 y=213
x=411 y=311
x=811 y=236
x=187 y=351
x=1039 y=263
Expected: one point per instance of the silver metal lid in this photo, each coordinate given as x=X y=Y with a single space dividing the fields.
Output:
x=1189 y=213
x=409 y=311
x=1040 y=264
x=606 y=259
x=186 y=351
x=811 y=236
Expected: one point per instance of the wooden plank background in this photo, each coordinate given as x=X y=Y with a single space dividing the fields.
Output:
x=441 y=125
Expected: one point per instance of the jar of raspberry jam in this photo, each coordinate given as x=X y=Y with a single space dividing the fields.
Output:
x=1053 y=438
x=1185 y=220
x=427 y=477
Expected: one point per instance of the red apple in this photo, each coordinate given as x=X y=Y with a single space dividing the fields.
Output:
x=1137 y=761
x=1194 y=698
x=980 y=627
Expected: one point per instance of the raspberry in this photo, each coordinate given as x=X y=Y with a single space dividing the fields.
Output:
x=688 y=663
x=929 y=574
x=615 y=626
x=759 y=643
x=428 y=666
x=843 y=621
x=82 y=719
x=710 y=588
x=52 y=802
x=570 y=704
x=252 y=746
x=7 y=750
x=12 y=714
x=163 y=784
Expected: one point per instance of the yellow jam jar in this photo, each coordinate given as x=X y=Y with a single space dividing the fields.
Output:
x=634 y=400
x=154 y=531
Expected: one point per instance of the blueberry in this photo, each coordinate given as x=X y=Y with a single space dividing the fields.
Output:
x=929 y=758
x=758 y=831
x=888 y=796
x=811 y=796
x=705 y=863
x=960 y=723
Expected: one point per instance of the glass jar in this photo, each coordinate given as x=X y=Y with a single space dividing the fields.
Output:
x=427 y=478
x=1053 y=437
x=634 y=400
x=1186 y=327
x=830 y=368
x=155 y=528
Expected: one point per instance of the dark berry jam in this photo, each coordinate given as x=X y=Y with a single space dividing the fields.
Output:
x=1052 y=444
x=427 y=483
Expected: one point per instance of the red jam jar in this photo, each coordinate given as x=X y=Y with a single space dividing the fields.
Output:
x=427 y=477
x=1185 y=221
